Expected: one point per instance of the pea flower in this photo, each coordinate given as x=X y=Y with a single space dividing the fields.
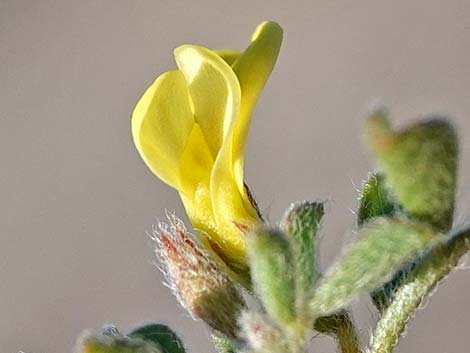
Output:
x=191 y=126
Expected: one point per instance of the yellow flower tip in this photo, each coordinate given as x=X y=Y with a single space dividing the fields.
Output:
x=189 y=58
x=271 y=27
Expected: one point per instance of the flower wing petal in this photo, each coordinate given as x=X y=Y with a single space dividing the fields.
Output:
x=161 y=123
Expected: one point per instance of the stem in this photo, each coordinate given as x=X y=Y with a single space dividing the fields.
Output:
x=341 y=327
x=434 y=266
x=347 y=338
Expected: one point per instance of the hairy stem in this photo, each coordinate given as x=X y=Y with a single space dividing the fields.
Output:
x=347 y=338
x=434 y=266
x=341 y=327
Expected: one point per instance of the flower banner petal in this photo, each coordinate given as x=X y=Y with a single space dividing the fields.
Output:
x=253 y=68
x=233 y=210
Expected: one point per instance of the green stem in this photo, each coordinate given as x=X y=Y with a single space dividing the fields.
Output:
x=341 y=327
x=433 y=267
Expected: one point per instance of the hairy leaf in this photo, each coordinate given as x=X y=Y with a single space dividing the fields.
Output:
x=301 y=222
x=383 y=246
x=434 y=266
x=272 y=272
x=420 y=164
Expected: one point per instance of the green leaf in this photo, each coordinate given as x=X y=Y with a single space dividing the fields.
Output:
x=420 y=164
x=433 y=267
x=301 y=222
x=383 y=246
x=376 y=199
x=160 y=335
x=272 y=273
x=109 y=340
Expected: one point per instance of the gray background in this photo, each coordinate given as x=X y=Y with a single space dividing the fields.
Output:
x=75 y=198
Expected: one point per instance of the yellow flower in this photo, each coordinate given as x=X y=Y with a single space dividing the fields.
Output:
x=191 y=125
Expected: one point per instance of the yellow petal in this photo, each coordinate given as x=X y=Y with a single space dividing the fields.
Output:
x=230 y=202
x=213 y=89
x=195 y=172
x=195 y=168
x=229 y=206
x=253 y=68
x=228 y=55
x=161 y=123
x=195 y=164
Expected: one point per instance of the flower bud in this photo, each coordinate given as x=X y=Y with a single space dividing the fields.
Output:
x=420 y=165
x=196 y=279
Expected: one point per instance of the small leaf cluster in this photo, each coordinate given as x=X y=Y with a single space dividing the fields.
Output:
x=404 y=244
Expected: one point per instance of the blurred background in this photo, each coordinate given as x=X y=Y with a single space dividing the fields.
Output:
x=76 y=199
